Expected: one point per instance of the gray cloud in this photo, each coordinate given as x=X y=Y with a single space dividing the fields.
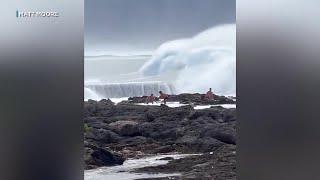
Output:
x=142 y=25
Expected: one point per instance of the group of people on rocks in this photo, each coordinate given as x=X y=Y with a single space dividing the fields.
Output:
x=151 y=99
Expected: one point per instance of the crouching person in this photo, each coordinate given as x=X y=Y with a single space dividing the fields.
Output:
x=163 y=96
x=150 y=99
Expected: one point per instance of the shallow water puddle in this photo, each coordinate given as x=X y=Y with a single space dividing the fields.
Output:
x=177 y=104
x=227 y=106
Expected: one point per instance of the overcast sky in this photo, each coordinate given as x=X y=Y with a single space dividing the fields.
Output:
x=129 y=26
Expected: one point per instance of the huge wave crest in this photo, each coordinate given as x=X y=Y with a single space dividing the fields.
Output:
x=203 y=61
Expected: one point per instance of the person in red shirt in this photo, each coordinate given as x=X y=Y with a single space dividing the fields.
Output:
x=163 y=96
x=209 y=95
x=150 y=99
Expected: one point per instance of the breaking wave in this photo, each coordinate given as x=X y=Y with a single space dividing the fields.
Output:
x=131 y=89
x=203 y=61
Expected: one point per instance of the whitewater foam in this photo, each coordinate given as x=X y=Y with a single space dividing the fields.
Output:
x=130 y=89
x=90 y=94
x=125 y=171
x=206 y=60
x=197 y=107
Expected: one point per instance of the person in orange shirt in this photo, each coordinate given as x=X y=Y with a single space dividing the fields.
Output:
x=209 y=95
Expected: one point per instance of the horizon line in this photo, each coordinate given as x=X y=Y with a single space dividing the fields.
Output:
x=117 y=55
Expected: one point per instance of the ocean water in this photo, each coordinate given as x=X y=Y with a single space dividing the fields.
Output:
x=112 y=69
x=205 y=60
x=119 y=76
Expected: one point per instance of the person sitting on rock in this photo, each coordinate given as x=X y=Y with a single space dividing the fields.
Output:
x=150 y=99
x=209 y=95
x=163 y=96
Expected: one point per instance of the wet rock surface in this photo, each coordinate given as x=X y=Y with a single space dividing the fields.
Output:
x=187 y=98
x=98 y=156
x=114 y=133
x=217 y=165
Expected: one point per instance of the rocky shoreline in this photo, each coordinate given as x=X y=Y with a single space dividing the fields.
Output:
x=194 y=99
x=217 y=165
x=115 y=132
